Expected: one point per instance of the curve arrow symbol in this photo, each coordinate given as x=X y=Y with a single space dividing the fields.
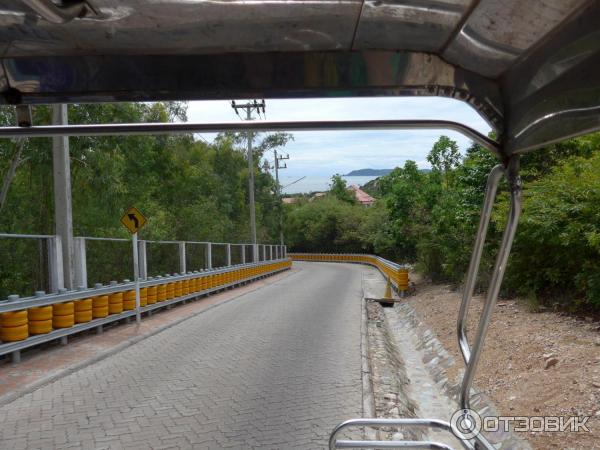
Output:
x=134 y=220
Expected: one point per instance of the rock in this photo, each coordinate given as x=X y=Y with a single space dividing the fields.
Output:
x=547 y=356
x=596 y=384
x=550 y=362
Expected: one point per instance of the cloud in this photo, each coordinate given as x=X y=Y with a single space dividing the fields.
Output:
x=326 y=152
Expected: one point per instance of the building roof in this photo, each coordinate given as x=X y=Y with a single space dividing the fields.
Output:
x=361 y=196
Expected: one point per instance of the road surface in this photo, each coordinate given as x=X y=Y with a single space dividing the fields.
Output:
x=276 y=368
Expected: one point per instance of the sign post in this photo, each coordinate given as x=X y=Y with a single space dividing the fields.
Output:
x=134 y=220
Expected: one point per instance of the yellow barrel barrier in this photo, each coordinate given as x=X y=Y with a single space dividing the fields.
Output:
x=143 y=297
x=129 y=300
x=100 y=306
x=152 y=294
x=63 y=315
x=84 y=310
x=40 y=319
x=398 y=275
x=170 y=290
x=161 y=292
x=178 y=289
x=14 y=326
x=115 y=303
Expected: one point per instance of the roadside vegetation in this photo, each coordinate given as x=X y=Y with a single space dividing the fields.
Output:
x=188 y=188
x=429 y=218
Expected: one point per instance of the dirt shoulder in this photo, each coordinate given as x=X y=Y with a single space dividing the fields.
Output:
x=512 y=370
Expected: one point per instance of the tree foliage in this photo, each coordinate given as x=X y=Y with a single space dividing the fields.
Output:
x=430 y=219
x=189 y=189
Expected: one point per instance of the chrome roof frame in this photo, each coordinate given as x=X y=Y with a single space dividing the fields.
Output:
x=262 y=126
x=530 y=69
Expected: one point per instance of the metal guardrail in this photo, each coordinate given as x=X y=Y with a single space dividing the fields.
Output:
x=181 y=264
x=396 y=273
x=271 y=267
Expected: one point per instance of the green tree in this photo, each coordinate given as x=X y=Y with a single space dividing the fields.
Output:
x=339 y=189
x=444 y=157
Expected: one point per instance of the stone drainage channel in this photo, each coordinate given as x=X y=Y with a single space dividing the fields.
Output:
x=407 y=373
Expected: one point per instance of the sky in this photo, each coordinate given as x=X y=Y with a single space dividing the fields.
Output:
x=324 y=153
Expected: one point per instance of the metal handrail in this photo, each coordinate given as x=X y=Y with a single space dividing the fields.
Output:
x=113 y=129
x=406 y=422
x=516 y=189
x=490 y=195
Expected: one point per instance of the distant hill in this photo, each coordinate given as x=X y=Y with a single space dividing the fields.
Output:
x=368 y=173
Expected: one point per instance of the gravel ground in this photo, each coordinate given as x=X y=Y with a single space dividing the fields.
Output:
x=534 y=364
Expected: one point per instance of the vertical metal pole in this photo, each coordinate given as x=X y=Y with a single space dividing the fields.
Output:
x=251 y=179
x=271 y=252
x=208 y=255
x=56 y=279
x=228 y=255
x=63 y=214
x=515 y=186
x=142 y=259
x=136 y=278
x=182 y=264
x=243 y=253
x=80 y=263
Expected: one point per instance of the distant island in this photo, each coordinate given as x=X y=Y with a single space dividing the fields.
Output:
x=368 y=173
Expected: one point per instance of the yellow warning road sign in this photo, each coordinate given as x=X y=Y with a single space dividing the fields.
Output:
x=133 y=220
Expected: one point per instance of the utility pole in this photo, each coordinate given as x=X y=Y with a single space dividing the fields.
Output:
x=250 y=107
x=63 y=215
x=278 y=166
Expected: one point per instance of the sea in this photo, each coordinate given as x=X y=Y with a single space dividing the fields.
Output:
x=316 y=183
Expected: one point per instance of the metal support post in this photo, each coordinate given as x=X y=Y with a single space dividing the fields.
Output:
x=80 y=263
x=243 y=247
x=56 y=279
x=63 y=214
x=143 y=259
x=228 y=255
x=208 y=255
x=136 y=277
x=182 y=264
x=271 y=252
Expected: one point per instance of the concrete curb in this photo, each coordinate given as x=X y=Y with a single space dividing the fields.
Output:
x=11 y=397
x=368 y=396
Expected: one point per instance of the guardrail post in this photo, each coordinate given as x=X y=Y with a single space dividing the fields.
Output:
x=208 y=255
x=143 y=260
x=228 y=255
x=243 y=253
x=182 y=265
x=56 y=279
x=255 y=255
x=264 y=252
x=80 y=261
x=271 y=252
x=285 y=251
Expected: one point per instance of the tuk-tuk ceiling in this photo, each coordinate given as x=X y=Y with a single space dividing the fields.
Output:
x=531 y=68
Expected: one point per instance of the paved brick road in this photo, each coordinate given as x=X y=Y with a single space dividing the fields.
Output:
x=274 y=369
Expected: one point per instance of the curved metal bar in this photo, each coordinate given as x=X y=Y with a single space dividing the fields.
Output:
x=378 y=423
x=490 y=194
x=57 y=14
x=185 y=127
x=512 y=173
x=393 y=444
